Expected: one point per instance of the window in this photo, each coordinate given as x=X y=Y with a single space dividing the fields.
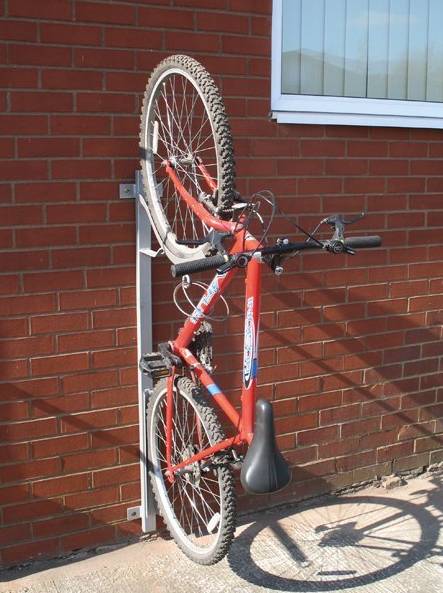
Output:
x=358 y=62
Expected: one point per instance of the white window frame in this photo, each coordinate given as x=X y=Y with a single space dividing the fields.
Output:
x=351 y=111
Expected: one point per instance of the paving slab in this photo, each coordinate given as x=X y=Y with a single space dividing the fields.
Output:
x=370 y=541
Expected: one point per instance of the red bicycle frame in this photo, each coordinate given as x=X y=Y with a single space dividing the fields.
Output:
x=243 y=422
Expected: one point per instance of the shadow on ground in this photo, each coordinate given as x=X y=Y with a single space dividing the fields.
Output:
x=339 y=543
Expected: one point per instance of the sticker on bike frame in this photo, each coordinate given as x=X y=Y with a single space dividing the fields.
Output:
x=213 y=389
x=211 y=291
x=250 y=346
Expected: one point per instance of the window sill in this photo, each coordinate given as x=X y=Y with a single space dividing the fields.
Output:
x=351 y=111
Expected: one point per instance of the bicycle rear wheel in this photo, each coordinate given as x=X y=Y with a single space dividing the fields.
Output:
x=184 y=123
x=199 y=506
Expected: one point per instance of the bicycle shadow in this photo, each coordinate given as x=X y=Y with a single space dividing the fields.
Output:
x=340 y=543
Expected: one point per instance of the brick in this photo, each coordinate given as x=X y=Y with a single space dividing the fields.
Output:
x=90 y=299
x=124 y=82
x=70 y=34
x=39 y=55
x=428 y=443
x=425 y=303
x=87 y=539
x=114 y=397
x=319 y=435
x=390 y=421
x=109 y=147
x=27 y=304
x=24 y=552
x=85 y=341
x=18 y=452
x=28 y=430
x=89 y=460
x=81 y=257
x=59 y=364
x=254 y=46
x=356 y=460
x=360 y=427
x=104 y=58
x=410 y=462
x=63 y=322
x=18 y=30
x=80 y=169
x=18 y=78
x=48 y=281
x=80 y=213
x=126 y=337
x=130 y=491
x=30 y=388
x=9 y=284
x=44 y=236
x=116 y=475
x=41 y=101
x=60 y=486
x=114 y=436
x=36 y=510
x=31 y=470
x=56 y=10
x=103 y=13
x=155 y=17
x=87 y=381
x=293 y=423
x=114 y=318
x=59 y=445
x=92 y=498
x=61 y=525
x=114 y=358
x=105 y=102
x=17 y=170
x=110 y=514
x=338 y=449
x=60 y=405
x=196 y=42
x=37 y=147
x=20 y=215
x=11 y=494
x=341 y=414
x=44 y=192
x=28 y=346
x=120 y=233
x=111 y=277
x=23 y=124
x=80 y=124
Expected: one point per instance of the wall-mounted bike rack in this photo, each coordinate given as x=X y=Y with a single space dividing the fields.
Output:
x=147 y=510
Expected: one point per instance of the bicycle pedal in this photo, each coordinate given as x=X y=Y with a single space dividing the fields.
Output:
x=153 y=364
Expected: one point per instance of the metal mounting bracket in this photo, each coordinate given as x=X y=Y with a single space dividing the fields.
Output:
x=146 y=511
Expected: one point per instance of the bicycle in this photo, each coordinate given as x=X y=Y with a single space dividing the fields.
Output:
x=188 y=172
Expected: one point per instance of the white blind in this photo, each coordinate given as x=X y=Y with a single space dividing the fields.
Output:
x=381 y=49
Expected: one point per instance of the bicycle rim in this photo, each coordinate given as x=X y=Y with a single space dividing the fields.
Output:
x=198 y=506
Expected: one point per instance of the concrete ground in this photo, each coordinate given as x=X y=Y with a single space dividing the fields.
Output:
x=370 y=541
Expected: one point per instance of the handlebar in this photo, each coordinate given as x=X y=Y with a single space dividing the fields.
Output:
x=199 y=265
x=217 y=261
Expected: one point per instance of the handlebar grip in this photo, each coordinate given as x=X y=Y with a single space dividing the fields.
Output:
x=198 y=265
x=361 y=242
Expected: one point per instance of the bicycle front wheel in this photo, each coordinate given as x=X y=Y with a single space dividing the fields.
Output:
x=198 y=507
x=184 y=123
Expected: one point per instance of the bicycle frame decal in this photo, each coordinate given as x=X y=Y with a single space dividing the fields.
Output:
x=206 y=300
x=250 y=350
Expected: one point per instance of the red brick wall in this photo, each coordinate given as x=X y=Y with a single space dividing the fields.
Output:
x=352 y=349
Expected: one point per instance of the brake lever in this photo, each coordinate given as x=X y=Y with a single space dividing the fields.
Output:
x=358 y=216
x=338 y=221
